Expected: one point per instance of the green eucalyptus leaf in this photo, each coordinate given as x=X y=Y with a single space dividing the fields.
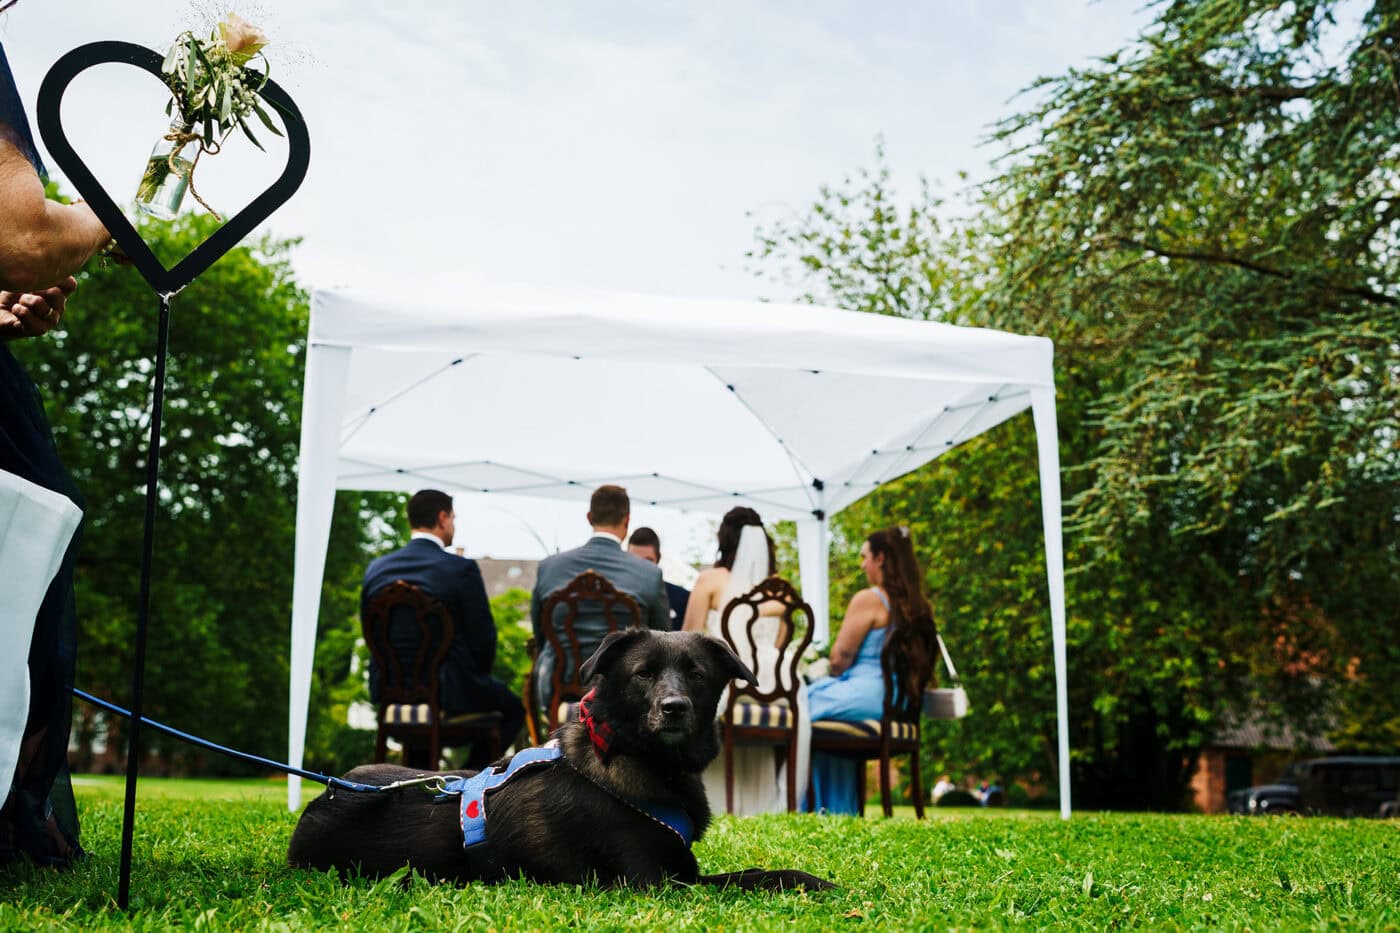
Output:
x=248 y=132
x=266 y=120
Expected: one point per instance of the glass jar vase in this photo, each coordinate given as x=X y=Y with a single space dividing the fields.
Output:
x=167 y=175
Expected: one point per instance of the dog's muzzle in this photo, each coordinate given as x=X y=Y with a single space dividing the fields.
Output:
x=672 y=718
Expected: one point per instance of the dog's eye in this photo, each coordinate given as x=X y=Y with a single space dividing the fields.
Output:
x=643 y=674
x=695 y=674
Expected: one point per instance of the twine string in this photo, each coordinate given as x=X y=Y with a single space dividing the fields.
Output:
x=181 y=139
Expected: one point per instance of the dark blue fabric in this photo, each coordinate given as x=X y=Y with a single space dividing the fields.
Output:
x=675 y=819
x=465 y=681
x=679 y=598
x=14 y=126
x=41 y=790
x=456 y=583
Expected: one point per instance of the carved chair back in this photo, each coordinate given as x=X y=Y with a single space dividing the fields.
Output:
x=560 y=611
x=408 y=634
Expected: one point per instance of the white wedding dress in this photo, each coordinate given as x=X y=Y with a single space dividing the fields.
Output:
x=760 y=783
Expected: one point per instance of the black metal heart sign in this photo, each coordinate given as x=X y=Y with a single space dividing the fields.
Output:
x=163 y=280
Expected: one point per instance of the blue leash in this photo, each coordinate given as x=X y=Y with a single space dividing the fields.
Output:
x=436 y=782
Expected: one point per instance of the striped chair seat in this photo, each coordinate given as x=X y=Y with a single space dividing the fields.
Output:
x=863 y=729
x=566 y=711
x=420 y=714
x=762 y=715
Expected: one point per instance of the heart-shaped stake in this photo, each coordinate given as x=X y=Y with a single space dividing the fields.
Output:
x=166 y=282
x=163 y=280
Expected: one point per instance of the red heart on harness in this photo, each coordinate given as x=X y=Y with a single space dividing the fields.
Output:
x=473 y=809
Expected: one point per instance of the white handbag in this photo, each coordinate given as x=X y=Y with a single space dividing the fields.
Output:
x=36 y=525
x=946 y=702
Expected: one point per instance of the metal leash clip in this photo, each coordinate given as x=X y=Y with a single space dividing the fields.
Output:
x=433 y=783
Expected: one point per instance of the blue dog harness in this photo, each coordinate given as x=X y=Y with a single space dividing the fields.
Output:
x=474 y=789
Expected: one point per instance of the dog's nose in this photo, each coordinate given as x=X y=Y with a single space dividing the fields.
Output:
x=675 y=707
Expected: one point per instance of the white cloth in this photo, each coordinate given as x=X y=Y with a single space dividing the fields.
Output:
x=759 y=785
x=427 y=536
x=36 y=525
x=608 y=536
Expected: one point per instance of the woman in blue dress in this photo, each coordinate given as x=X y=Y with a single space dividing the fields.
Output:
x=892 y=609
x=42 y=243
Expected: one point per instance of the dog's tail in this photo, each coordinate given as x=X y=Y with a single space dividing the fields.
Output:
x=758 y=879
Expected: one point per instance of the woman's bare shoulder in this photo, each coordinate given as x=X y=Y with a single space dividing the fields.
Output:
x=867 y=604
x=710 y=578
x=867 y=598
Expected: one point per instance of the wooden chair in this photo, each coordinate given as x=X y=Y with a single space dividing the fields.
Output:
x=764 y=717
x=566 y=685
x=907 y=666
x=408 y=634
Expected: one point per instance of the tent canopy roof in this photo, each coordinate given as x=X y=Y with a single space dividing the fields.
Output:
x=691 y=404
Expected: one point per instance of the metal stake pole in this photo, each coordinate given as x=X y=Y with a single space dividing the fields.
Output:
x=138 y=672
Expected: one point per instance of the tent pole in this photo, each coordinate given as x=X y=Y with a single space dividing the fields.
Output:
x=813 y=555
x=323 y=399
x=1047 y=441
x=822 y=607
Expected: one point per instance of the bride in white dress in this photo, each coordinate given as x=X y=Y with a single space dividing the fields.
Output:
x=745 y=560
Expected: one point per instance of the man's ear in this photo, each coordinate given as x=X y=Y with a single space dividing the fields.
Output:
x=726 y=661
x=613 y=647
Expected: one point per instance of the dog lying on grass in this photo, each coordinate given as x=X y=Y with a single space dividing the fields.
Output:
x=620 y=802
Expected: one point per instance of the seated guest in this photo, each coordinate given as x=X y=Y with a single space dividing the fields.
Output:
x=465 y=681
x=609 y=512
x=945 y=784
x=645 y=544
x=893 y=607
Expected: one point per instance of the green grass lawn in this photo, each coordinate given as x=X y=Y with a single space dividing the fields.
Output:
x=210 y=855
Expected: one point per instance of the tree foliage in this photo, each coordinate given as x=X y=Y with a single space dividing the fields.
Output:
x=221 y=592
x=1205 y=223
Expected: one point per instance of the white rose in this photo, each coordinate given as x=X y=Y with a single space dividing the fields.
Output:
x=242 y=39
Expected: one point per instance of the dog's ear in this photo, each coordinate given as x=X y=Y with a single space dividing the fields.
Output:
x=726 y=661
x=612 y=648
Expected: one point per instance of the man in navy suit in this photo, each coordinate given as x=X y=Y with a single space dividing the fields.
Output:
x=465 y=681
x=645 y=544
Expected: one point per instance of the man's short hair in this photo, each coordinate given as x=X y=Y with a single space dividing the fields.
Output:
x=425 y=506
x=645 y=537
x=609 y=506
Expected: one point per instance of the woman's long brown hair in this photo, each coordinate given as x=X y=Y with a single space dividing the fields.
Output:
x=912 y=640
x=731 y=527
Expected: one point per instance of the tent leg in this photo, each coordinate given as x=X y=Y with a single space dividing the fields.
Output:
x=327 y=372
x=1047 y=440
x=813 y=553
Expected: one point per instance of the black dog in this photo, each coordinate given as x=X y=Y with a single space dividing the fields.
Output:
x=621 y=804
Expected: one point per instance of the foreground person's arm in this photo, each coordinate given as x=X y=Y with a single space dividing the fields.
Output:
x=42 y=242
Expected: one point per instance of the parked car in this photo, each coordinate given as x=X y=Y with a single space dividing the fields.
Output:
x=1265 y=799
x=1353 y=785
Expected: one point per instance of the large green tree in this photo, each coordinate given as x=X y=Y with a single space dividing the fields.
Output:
x=221 y=593
x=1205 y=222
x=1210 y=216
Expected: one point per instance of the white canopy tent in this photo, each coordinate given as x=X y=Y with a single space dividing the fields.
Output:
x=691 y=404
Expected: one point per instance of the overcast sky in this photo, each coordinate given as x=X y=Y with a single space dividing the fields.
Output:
x=613 y=145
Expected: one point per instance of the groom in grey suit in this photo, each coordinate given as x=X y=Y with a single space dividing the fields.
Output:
x=609 y=512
